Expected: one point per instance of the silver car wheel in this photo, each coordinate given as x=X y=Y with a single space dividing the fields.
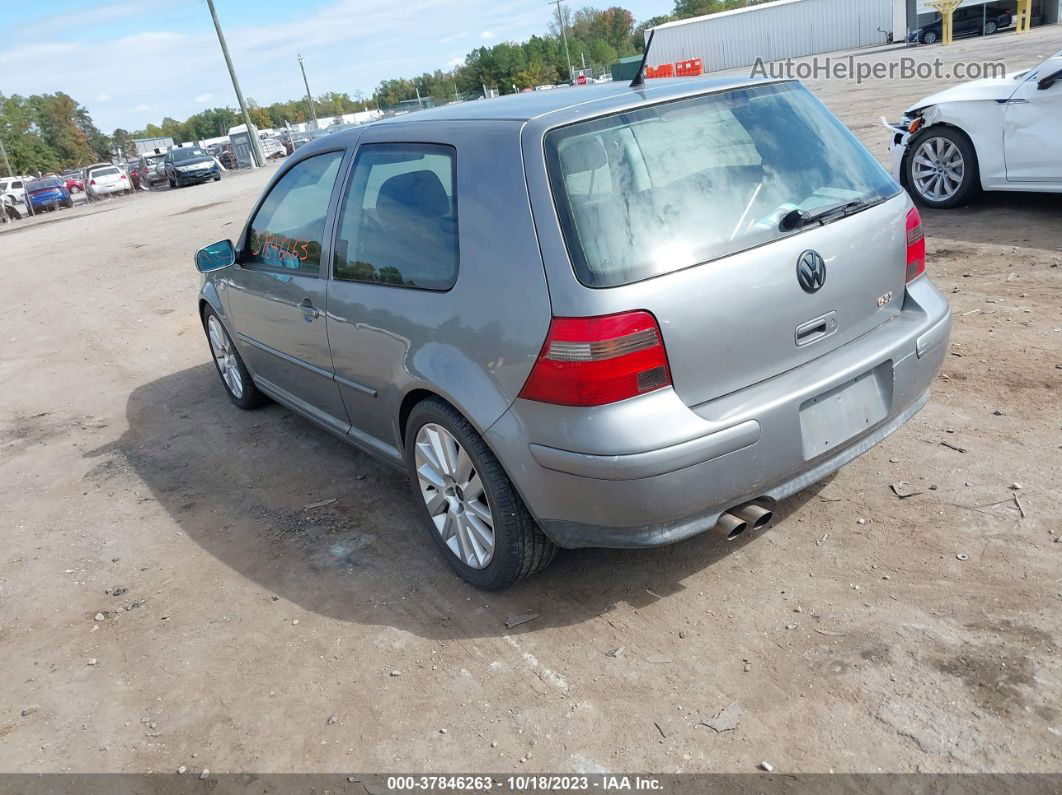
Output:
x=938 y=169
x=225 y=357
x=454 y=495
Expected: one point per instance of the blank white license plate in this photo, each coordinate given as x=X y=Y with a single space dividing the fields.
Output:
x=832 y=418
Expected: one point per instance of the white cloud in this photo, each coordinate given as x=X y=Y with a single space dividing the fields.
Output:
x=456 y=61
x=199 y=99
x=448 y=39
x=104 y=14
x=170 y=59
x=104 y=97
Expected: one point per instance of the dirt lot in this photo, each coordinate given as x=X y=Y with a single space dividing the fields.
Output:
x=167 y=600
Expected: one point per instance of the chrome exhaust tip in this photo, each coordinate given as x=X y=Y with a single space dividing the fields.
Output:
x=755 y=515
x=729 y=527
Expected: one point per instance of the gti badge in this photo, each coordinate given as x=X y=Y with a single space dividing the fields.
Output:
x=811 y=271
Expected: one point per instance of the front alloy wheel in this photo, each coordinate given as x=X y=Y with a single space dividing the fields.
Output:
x=225 y=357
x=453 y=494
x=238 y=384
x=942 y=168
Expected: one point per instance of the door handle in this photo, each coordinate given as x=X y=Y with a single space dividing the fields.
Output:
x=309 y=311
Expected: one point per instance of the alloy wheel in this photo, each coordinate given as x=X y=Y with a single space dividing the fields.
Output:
x=454 y=496
x=938 y=169
x=225 y=357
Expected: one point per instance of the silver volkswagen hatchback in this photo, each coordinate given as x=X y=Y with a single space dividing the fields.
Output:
x=604 y=316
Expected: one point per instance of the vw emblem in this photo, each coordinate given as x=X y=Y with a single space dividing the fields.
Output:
x=811 y=271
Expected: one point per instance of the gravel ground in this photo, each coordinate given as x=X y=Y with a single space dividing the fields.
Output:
x=167 y=600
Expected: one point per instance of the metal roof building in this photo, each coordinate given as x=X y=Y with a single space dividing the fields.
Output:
x=775 y=31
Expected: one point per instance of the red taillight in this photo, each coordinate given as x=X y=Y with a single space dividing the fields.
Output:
x=916 y=245
x=121 y=176
x=590 y=361
x=92 y=182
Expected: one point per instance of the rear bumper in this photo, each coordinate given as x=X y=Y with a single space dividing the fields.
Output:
x=651 y=471
x=105 y=190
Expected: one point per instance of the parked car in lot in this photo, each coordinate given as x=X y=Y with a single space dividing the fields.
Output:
x=978 y=20
x=151 y=169
x=614 y=317
x=15 y=187
x=73 y=180
x=48 y=193
x=190 y=165
x=105 y=179
x=993 y=134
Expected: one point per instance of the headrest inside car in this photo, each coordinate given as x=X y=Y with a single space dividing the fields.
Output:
x=583 y=154
x=414 y=194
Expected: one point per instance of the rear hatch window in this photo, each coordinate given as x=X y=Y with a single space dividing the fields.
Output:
x=669 y=186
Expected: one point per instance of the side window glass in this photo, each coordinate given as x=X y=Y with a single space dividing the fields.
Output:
x=399 y=222
x=288 y=228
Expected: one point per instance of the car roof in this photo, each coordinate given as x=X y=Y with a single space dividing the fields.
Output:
x=599 y=97
x=545 y=109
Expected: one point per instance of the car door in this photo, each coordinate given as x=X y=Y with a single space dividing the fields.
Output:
x=276 y=293
x=396 y=256
x=1032 y=143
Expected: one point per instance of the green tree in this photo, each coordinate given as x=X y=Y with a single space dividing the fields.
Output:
x=57 y=118
x=27 y=150
x=123 y=142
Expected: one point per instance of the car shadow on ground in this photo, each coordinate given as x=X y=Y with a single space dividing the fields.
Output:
x=239 y=483
x=1023 y=220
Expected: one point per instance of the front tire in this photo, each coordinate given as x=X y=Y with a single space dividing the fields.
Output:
x=229 y=364
x=929 y=37
x=468 y=504
x=941 y=168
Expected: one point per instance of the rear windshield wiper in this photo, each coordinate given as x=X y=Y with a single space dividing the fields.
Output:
x=796 y=219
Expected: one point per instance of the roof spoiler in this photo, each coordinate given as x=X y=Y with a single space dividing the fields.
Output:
x=639 y=78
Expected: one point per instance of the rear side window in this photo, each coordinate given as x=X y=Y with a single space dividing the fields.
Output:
x=669 y=186
x=399 y=222
x=288 y=228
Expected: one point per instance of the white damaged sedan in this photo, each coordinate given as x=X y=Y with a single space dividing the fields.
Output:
x=1001 y=133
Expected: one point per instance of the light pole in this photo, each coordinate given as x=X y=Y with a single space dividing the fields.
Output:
x=256 y=145
x=309 y=96
x=7 y=163
x=564 y=35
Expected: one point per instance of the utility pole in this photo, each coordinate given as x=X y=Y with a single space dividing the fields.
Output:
x=257 y=158
x=7 y=163
x=309 y=96
x=564 y=35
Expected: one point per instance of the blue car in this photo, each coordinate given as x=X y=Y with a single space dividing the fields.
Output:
x=46 y=194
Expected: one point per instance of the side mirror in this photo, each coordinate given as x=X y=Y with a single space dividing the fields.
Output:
x=215 y=256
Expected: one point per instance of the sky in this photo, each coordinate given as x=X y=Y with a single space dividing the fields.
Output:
x=133 y=62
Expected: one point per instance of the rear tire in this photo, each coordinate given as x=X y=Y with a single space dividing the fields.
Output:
x=229 y=364
x=991 y=27
x=940 y=168
x=519 y=548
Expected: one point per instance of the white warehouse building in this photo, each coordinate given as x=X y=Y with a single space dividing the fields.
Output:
x=778 y=30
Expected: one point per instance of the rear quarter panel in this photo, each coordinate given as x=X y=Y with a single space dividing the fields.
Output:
x=475 y=344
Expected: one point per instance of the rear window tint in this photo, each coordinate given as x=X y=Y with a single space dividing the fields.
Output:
x=103 y=172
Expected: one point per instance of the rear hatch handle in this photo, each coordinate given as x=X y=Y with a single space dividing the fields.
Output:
x=815 y=330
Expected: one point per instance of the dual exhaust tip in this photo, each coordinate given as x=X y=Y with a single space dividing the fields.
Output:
x=736 y=521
